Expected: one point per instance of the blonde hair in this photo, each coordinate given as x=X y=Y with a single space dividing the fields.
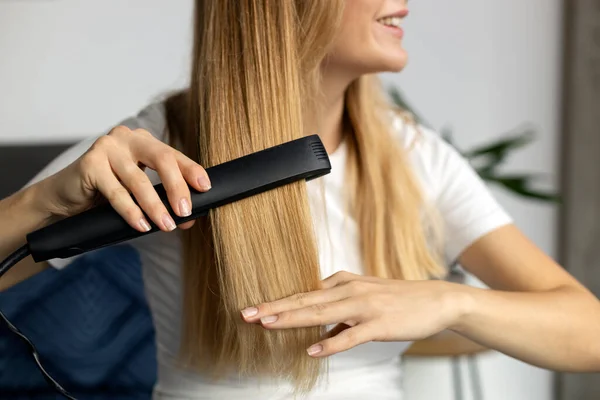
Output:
x=255 y=80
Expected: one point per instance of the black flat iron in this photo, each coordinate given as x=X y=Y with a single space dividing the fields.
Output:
x=255 y=173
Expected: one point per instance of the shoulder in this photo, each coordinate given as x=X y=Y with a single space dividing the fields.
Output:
x=434 y=161
x=467 y=208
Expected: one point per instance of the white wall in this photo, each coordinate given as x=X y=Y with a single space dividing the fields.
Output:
x=70 y=68
x=484 y=68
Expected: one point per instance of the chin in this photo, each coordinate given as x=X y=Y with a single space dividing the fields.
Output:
x=397 y=66
x=383 y=57
x=395 y=63
x=368 y=63
x=389 y=66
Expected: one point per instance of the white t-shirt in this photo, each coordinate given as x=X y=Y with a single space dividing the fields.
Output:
x=372 y=370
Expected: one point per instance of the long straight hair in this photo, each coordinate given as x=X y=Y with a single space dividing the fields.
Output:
x=254 y=84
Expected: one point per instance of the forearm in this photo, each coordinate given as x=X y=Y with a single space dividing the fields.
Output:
x=557 y=330
x=20 y=214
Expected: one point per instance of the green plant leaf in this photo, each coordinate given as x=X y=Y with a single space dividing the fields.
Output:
x=488 y=158
x=500 y=148
x=521 y=185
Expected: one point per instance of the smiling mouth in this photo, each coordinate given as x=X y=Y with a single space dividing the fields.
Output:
x=394 y=22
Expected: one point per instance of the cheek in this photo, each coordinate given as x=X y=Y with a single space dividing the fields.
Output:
x=367 y=51
x=354 y=43
x=362 y=46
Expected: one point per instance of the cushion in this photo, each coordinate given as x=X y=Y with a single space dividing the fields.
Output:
x=91 y=325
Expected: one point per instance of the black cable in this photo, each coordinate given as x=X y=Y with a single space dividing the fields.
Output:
x=5 y=265
x=14 y=258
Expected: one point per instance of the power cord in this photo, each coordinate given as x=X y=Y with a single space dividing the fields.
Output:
x=5 y=265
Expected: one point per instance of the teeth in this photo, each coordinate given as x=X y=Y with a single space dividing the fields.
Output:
x=391 y=21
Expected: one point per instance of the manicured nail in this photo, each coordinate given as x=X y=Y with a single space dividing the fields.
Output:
x=168 y=221
x=184 y=208
x=314 y=349
x=269 y=320
x=204 y=183
x=144 y=225
x=249 y=312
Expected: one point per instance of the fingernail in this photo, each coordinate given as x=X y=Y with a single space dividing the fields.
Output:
x=204 y=183
x=314 y=349
x=144 y=225
x=269 y=320
x=249 y=312
x=184 y=208
x=168 y=221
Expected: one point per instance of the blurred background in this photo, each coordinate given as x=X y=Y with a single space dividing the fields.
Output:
x=484 y=71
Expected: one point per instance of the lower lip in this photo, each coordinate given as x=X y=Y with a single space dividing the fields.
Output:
x=398 y=32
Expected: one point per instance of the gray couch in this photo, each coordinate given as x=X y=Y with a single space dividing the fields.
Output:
x=19 y=163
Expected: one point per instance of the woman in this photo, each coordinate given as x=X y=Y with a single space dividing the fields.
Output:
x=237 y=298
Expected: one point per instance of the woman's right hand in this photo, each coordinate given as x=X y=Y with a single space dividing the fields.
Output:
x=113 y=168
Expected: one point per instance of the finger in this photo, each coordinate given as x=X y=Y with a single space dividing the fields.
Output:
x=120 y=199
x=151 y=152
x=343 y=277
x=294 y=302
x=175 y=185
x=316 y=315
x=193 y=173
x=345 y=340
x=187 y=225
x=139 y=184
x=175 y=170
x=163 y=160
x=336 y=330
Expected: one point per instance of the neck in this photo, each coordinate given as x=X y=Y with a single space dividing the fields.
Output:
x=331 y=108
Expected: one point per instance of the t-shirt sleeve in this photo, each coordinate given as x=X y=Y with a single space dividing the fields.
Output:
x=467 y=207
x=152 y=118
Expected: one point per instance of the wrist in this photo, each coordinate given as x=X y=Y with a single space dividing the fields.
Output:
x=460 y=303
x=35 y=201
x=21 y=213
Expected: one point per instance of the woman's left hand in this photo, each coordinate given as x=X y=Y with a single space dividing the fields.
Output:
x=364 y=309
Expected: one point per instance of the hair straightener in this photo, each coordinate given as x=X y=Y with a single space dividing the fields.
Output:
x=101 y=226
